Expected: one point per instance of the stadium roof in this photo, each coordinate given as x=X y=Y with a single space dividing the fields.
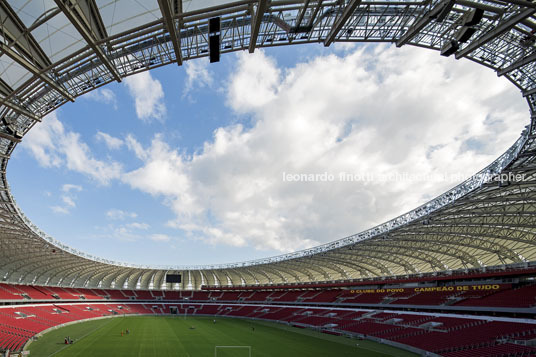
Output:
x=54 y=51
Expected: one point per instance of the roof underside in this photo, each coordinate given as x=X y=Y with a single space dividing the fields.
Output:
x=54 y=51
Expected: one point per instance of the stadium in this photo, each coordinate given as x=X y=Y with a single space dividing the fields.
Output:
x=453 y=277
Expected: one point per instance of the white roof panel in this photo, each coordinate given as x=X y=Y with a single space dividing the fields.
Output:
x=192 y=5
x=31 y=10
x=12 y=73
x=122 y=15
x=58 y=38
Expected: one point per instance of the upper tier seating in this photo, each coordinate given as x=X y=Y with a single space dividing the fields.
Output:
x=287 y=296
x=500 y=298
x=8 y=292
x=524 y=296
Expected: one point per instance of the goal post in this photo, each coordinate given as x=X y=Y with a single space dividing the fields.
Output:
x=234 y=351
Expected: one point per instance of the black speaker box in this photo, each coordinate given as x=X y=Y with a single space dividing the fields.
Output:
x=214 y=25
x=214 y=48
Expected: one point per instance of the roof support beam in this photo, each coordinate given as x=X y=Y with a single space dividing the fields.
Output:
x=517 y=64
x=339 y=23
x=529 y=92
x=168 y=13
x=84 y=16
x=524 y=3
x=256 y=25
x=5 y=89
x=437 y=12
x=361 y=265
x=9 y=137
x=313 y=266
x=18 y=109
x=315 y=13
x=18 y=36
x=302 y=13
x=298 y=268
x=496 y=32
x=15 y=56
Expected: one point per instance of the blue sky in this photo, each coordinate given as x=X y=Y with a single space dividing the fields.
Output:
x=186 y=165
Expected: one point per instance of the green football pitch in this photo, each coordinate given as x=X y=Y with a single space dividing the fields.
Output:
x=199 y=336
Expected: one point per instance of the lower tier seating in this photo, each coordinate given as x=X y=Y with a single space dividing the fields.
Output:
x=447 y=335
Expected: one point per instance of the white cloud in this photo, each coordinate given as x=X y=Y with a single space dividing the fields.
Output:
x=157 y=237
x=197 y=75
x=60 y=209
x=129 y=232
x=103 y=95
x=148 y=96
x=111 y=142
x=162 y=173
x=68 y=187
x=362 y=113
x=69 y=201
x=135 y=146
x=138 y=225
x=68 y=197
x=41 y=141
x=117 y=214
x=345 y=46
x=54 y=146
x=254 y=82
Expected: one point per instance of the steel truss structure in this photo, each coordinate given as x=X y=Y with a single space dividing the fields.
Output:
x=54 y=51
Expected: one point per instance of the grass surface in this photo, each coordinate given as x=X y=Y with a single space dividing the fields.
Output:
x=198 y=336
